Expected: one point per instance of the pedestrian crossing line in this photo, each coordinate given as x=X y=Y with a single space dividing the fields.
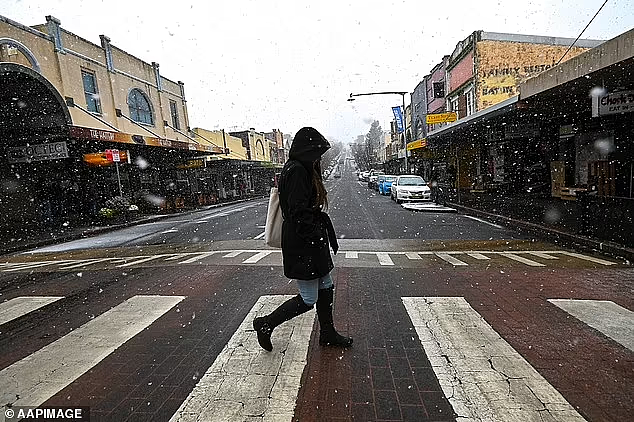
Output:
x=587 y=258
x=140 y=261
x=413 y=255
x=521 y=259
x=260 y=236
x=18 y=306
x=247 y=383
x=450 y=259
x=178 y=256
x=83 y=263
x=352 y=255
x=198 y=257
x=384 y=258
x=605 y=316
x=478 y=256
x=481 y=375
x=543 y=255
x=255 y=258
x=30 y=265
x=232 y=254
x=38 y=377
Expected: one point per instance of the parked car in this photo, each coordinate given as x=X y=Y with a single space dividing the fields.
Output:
x=384 y=183
x=363 y=176
x=410 y=188
x=374 y=174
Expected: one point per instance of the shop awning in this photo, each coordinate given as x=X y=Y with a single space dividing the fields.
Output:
x=127 y=138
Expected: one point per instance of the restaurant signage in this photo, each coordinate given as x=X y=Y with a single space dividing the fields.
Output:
x=126 y=138
x=433 y=119
x=616 y=103
x=37 y=152
x=421 y=143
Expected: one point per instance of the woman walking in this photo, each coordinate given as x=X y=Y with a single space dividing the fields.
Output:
x=307 y=235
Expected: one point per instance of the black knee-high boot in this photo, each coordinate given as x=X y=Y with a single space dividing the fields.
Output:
x=264 y=325
x=328 y=336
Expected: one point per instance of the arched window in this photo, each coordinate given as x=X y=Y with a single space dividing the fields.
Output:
x=140 y=109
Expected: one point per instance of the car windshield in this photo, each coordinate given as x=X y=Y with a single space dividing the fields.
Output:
x=411 y=181
x=183 y=236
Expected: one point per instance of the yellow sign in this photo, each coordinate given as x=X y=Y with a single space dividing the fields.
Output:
x=432 y=119
x=421 y=143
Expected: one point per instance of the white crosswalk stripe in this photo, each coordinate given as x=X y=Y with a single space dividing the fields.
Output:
x=246 y=382
x=19 y=306
x=38 y=377
x=605 y=316
x=382 y=258
x=482 y=376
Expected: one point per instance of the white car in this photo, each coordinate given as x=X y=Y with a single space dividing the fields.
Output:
x=410 y=187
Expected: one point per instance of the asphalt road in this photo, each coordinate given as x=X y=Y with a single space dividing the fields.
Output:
x=450 y=316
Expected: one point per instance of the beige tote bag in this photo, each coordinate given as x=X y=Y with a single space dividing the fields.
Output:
x=273 y=228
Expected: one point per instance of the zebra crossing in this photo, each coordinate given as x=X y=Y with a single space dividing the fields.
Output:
x=537 y=258
x=481 y=375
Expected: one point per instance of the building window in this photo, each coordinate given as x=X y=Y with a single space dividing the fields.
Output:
x=453 y=104
x=470 y=102
x=140 y=110
x=90 y=92
x=174 y=112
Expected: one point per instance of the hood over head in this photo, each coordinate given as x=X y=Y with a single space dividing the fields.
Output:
x=308 y=145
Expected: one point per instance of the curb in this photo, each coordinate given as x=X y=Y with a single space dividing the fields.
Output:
x=89 y=232
x=612 y=249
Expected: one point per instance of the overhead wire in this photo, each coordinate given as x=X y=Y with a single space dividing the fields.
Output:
x=584 y=30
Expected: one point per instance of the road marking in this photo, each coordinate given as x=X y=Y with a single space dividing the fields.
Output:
x=478 y=256
x=450 y=259
x=170 y=231
x=18 y=306
x=384 y=258
x=201 y=221
x=178 y=256
x=232 y=254
x=521 y=259
x=482 y=376
x=255 y=258
x=44 y=373
x=587 y=258
x=29 y=265
x=352 y=255
x=83 y=263
x=606 y=316
x=140 y=261
x=260 y=236
x=484 y=221
x=245 y=382
x=412 y=255
x=198 y=257
x=542 y=255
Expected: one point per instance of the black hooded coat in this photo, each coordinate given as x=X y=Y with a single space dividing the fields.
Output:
x=307 y=231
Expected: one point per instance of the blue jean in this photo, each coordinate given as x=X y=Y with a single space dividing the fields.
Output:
x=309 y=289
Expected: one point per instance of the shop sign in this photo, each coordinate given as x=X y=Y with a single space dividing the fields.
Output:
x=433 y=119
x=104 y=159
x=616 y=103
x=126 y=138
x=421 y=143
x=38 y=152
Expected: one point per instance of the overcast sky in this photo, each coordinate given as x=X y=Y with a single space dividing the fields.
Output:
x=292 y=63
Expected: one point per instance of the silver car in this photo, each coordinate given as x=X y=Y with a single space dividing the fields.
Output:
x=410 y=187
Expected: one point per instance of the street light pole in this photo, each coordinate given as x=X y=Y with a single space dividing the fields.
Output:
x=402 y=94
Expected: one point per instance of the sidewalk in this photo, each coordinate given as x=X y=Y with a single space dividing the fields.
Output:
x=66 y=234
x=552 y=234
